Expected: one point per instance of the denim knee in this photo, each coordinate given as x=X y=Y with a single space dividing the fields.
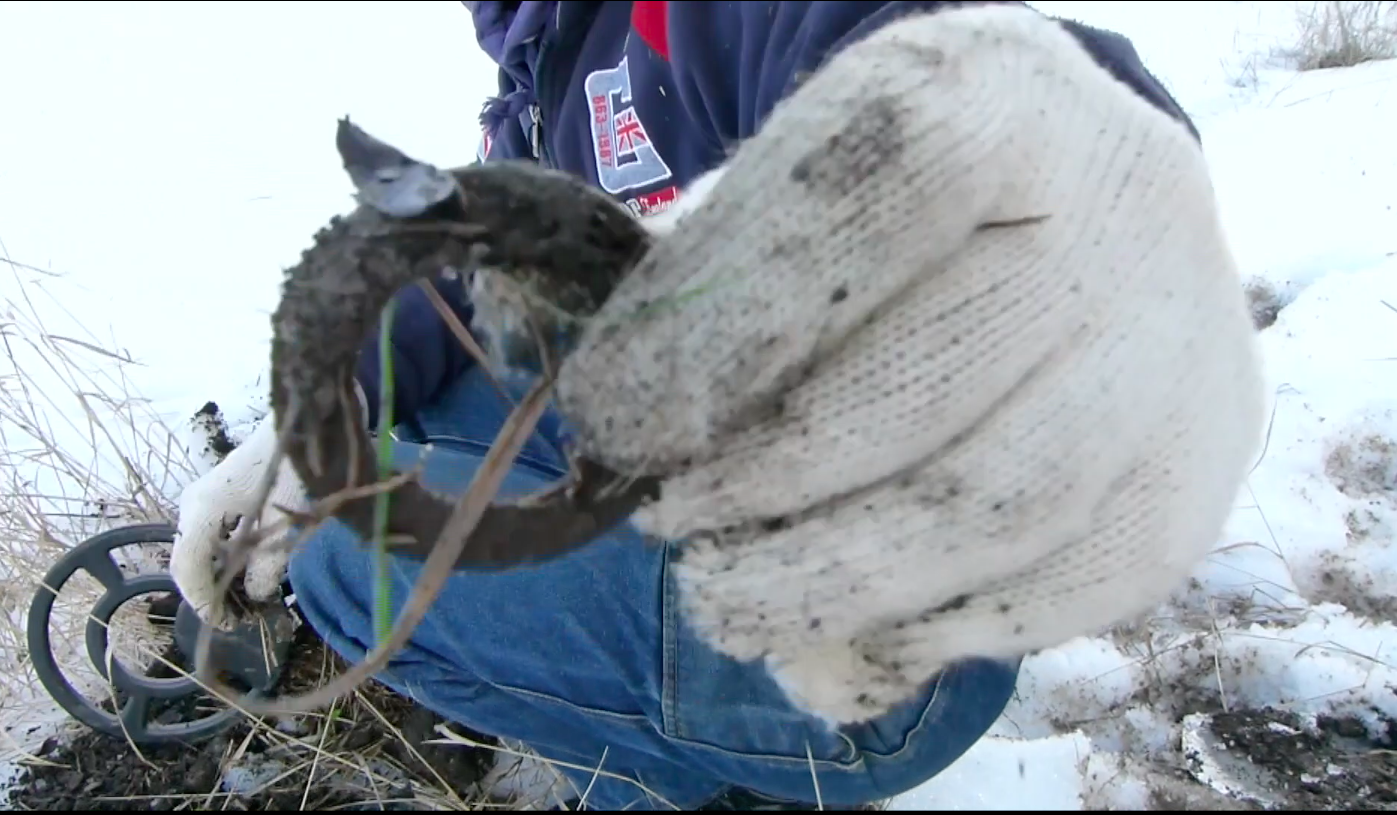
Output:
x=627 y=686
x=583 y=696
x=588 y=660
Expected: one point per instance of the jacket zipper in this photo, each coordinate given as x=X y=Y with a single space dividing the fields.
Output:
x=536 y=132
x=539 y=142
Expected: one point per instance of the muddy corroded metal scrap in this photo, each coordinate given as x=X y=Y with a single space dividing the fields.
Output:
x=557 y=249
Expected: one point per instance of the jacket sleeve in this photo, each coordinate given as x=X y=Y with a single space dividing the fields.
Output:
x=426 y=354
x=733 y=61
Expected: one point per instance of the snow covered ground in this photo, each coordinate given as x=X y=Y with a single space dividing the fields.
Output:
x=168 y=160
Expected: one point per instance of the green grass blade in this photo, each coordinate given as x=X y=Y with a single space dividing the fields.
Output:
x=383 y=580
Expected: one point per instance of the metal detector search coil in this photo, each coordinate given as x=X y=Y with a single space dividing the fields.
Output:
x=244 y=653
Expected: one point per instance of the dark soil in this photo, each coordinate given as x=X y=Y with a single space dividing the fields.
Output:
x=100 y=772
x=1334 y=766
x=210 y=419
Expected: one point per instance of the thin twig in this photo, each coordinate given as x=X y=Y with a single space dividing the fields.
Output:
x=432 y=576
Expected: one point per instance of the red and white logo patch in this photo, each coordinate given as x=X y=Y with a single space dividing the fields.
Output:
x=621 y=146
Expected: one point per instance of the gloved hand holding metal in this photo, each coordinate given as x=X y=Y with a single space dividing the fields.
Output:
x=951 y=359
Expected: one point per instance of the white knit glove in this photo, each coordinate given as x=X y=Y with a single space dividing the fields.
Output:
x=893 y=439
x=215 y=505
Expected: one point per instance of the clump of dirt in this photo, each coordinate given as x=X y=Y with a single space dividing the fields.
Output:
x=209 y=420
x=102 y=773
x=1364 y=468
x=1335 y=765
x=1346 y=582
x=1265 y=303
x=362 y=764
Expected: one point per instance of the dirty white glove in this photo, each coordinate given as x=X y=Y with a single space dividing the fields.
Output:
x=895 y=438
x=214 y=506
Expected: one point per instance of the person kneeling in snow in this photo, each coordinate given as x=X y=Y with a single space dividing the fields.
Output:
x=974 y=251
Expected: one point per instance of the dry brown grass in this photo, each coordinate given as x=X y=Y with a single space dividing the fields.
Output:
x=82 y=452
x=1343 y=33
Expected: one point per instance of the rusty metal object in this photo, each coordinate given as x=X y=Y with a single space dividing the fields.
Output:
x=562 y=243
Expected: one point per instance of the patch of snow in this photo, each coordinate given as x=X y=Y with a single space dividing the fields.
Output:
x=519 y=774
x=1211 y=764
x=251 y=774
x=1028 y=775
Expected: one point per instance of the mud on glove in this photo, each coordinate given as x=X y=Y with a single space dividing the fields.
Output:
x=221 y=501
x=950 y=360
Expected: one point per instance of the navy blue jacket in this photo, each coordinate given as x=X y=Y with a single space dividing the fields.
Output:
x=639 y=98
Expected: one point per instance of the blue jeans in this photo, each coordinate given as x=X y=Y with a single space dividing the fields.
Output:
x=587 y=660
